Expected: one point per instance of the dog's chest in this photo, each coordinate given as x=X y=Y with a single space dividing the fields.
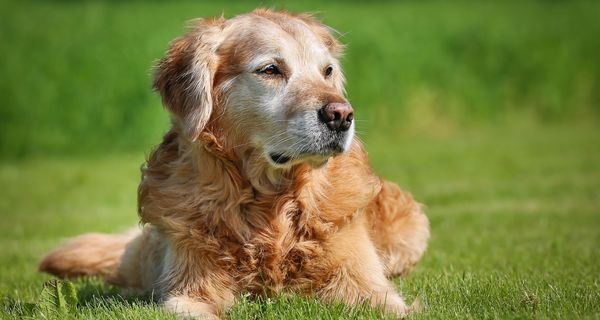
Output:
x=280 y=258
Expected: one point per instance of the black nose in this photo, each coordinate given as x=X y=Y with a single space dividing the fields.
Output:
x=337 y=116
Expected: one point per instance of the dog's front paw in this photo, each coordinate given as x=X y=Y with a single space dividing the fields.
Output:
x=186 y=307
x=402 y=310
x=397 y=306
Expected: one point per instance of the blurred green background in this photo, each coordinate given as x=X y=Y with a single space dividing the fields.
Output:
x=487 y=111
x=75 y=76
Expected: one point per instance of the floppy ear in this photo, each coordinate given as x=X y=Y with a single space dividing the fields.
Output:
x=184 y=77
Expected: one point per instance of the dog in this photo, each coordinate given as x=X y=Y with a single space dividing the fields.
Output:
x=260 y=186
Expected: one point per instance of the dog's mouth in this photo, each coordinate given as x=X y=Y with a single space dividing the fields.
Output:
x=279 y=158
x=283 y=161
x=314 y=154
x=315 y=160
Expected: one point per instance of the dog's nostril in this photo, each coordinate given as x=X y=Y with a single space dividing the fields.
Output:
x=326 y=115
x=337 y=116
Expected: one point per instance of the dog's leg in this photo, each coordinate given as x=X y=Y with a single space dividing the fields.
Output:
x=399 y=229
x=193 y=285
x=360 y=275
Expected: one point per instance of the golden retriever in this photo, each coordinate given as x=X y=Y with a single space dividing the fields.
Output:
x=260 y=186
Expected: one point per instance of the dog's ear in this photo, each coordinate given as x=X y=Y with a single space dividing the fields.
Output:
x=184 y=77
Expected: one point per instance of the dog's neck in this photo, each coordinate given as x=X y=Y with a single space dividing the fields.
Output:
x=251 y=165
x=189 y=182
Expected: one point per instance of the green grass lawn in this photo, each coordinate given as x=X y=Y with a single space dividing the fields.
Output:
x=514 y=213
x=487 y=111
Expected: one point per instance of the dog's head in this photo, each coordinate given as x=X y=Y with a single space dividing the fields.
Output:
x=268 y=81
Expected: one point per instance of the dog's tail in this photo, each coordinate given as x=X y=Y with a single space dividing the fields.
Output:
x=92 y=254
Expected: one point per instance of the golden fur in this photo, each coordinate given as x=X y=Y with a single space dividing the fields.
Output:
x=220 y=220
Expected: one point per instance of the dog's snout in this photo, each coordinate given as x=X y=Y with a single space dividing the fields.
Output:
x=337 y=116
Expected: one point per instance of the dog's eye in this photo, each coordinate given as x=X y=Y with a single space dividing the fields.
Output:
x=328 y=71
x=270 y=70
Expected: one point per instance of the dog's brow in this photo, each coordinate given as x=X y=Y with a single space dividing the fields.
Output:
x=262 y=61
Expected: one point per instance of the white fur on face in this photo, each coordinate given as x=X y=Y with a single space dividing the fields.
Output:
x=279 y=114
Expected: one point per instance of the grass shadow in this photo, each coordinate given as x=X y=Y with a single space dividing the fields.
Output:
x=92 y=294
x=94 y=291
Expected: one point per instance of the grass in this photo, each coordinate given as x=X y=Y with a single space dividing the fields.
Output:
x=515 y=225
x=75 y=76
x=487 y=111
